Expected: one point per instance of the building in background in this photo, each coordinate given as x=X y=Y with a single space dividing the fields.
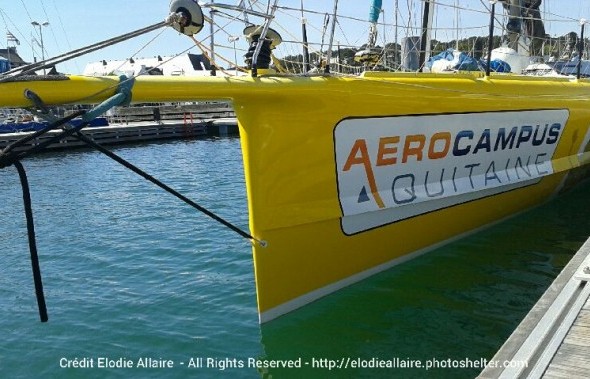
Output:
x=12 y=58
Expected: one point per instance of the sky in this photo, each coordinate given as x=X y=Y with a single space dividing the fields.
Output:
x=77 y=23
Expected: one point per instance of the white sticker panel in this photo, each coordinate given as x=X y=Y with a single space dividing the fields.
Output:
x=393 y=168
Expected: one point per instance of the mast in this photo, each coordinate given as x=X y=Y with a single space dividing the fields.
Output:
x=334 y=20
x=395 y=51
x=457 y=25
x=306 y=65
x=212 y=34
x=426 y=28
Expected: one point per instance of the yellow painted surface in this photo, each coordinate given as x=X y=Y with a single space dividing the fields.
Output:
x=287 y=135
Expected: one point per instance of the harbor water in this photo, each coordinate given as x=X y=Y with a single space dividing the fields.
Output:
x=139 y=285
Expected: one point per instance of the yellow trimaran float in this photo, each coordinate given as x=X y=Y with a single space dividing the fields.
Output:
x=348 y=176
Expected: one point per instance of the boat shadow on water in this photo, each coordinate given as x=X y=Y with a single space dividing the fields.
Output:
x=450 y=309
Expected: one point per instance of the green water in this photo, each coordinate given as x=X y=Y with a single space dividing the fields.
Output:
x=131 y=274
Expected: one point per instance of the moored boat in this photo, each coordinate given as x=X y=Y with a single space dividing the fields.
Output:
x=347 y=176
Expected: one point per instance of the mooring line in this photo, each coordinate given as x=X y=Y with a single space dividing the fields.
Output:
x=10 y=157
x=32 y=242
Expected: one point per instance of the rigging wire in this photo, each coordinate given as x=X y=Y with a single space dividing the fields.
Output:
x=9 y=156
x=82 y=51
x=47 y=18
x=141 y=48
x=130 y=78
x=26 y=10
x=5 y=16
x=31 y=68
x=206 y=52
x=61 y=24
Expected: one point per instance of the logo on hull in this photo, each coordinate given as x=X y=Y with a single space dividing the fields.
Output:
x=393 y=168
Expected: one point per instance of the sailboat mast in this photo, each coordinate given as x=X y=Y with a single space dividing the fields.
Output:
x=457 y=25
x=329 y=54
x=212 y=31
x=426 y=28
x=306 y=65
x=395 y=52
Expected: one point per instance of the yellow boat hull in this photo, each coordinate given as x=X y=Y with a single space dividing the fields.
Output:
x=337 y=169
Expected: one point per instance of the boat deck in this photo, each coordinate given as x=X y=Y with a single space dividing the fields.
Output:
x=554 y=338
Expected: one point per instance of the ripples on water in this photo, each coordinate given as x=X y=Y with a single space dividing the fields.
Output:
x=132 y=272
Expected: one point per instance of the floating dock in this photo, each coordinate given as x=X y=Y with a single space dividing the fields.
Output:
x=144 y=123
x=139 y=131
x=553 y=340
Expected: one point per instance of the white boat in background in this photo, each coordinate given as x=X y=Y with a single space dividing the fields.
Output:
x=348 y=175
x=180 y=65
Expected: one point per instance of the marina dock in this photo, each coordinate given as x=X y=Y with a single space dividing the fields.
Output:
x=145 y=123
x=553 y=340
x=139 y=131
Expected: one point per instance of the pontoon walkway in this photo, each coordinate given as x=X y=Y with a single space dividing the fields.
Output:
x=554 y=338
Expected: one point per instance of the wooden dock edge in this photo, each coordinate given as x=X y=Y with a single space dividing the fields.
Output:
x=538 y=337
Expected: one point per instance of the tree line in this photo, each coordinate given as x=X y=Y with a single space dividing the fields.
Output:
x=342 y=58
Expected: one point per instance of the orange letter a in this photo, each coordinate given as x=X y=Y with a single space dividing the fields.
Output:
x=361 y=145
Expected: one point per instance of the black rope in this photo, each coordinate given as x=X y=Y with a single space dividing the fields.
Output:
x=76 y=132
x=40 y=132
x=32 y=242
x=8 y=156
x=82 y=137
x=6 y=159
